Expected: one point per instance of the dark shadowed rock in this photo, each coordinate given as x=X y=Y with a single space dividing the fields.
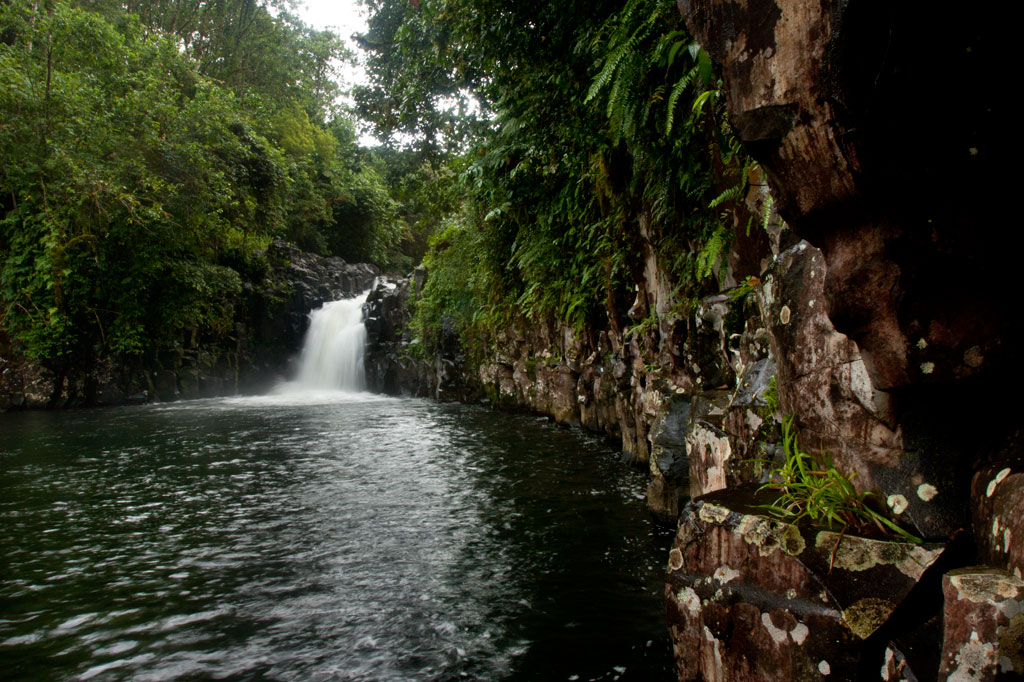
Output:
x=842 y=104
x=998 y=499
x=309 y=281
x=669 y=462
x=394 y=364
x=823 y=381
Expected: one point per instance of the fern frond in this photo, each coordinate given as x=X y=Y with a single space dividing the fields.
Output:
x=709 y=253
x=610 y=66
x=677 y=90
x=731 y=194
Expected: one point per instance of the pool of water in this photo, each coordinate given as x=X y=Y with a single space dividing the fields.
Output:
x=323 y=536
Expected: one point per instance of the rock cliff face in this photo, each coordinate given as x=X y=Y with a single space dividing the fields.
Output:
x=876 y=319
x=889 y=343
x=847 y=105
x=270 y=322
x=302 y=282
x=393 y=363
x=658 y=377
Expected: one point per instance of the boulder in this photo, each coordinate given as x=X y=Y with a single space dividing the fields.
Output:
x=390 y=365
x=669 y=462
x=165 y=385
x=983 y=638
x=753 y=598
x=708 y=447
x=394 y=363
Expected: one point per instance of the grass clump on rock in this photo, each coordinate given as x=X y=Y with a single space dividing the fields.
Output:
x=812 y=489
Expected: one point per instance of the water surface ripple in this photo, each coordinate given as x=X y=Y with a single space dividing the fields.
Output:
x=324 y=537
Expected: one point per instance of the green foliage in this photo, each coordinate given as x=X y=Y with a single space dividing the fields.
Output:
x=450 y=302
x=645 y=325
x=300 y=138
x=745 y=288
x=119 y=159
x=812 y=489
x=710 y=252
x=365 y=226
x=425 y=193
x=146 y=156
x=771 y=397
x=255 y=48
x=557 y=182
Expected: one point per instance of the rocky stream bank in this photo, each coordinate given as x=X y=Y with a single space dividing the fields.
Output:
x=699 y=401
x=873 y=317
x=871 y=311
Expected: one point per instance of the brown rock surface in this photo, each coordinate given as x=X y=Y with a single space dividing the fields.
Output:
x=984 y=626
x=751 y=598
x=998 y=497
x=844 y=104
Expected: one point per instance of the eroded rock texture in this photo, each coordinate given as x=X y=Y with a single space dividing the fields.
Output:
x=847 y=106
x=998 y=500
x=751 y=598
x=394 y=364
x=984 y=625
x=888 y=323
x=306 y=281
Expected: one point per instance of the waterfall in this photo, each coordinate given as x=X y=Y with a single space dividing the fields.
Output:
x=332 y=354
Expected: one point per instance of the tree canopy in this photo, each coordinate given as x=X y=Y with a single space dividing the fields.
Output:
x=599 y=128
x=150 y=150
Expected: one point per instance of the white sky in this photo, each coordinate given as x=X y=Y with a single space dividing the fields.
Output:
x=344 y=17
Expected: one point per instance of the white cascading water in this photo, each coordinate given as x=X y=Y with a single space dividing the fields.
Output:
x=332 y=355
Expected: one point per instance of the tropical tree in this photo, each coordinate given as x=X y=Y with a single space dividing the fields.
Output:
x=595 y=120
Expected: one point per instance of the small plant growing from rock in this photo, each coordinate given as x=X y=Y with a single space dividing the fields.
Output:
x=770 y=396
x=744 y=288
x=812 y=489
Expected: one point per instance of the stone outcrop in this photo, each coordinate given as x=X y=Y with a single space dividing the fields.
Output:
x=394 y=362
x=883 y=321
x=303 y=282
x=998 y=511
x=752 y=598
x=983 y=637
x=845 y=105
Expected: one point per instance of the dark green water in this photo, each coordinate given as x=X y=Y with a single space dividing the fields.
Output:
x=331 y=538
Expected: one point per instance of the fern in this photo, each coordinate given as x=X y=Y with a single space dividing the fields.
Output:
x=733 y=193
x=677 y=90
x=710 y=252
x=610 y=66
x=769 y=203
